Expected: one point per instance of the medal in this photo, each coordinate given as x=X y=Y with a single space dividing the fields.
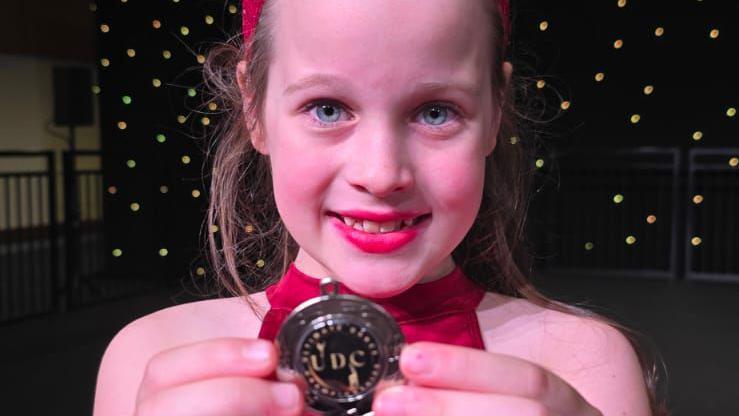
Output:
x=344 y=347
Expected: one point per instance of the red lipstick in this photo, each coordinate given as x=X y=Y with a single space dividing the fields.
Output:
x=379 y=242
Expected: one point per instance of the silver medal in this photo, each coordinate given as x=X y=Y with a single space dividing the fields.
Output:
x=343 y=347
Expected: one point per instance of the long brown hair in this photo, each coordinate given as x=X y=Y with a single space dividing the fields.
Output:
x=252 y=248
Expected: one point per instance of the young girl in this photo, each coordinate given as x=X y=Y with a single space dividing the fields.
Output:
x=369 y=141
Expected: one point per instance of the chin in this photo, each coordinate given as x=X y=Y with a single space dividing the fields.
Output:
x=377 y=283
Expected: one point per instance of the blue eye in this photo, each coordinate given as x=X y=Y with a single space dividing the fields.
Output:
x=435 y=115
x=328 y=113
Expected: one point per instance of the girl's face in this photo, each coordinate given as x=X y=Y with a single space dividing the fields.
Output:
x=379 y=111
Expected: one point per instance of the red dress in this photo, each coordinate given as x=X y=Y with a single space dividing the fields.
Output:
x=443 y=310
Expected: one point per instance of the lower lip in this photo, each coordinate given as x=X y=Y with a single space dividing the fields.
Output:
x=378 y=243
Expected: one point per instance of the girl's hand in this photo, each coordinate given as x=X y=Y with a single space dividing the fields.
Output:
x=224 y=376
x=449 y=380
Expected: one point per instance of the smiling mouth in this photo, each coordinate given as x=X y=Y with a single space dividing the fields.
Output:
x=374 y=227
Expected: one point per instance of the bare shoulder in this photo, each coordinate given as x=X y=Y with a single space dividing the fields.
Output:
x=194 y=321
x=127 y=355
x=592 y=356
x=510 y=325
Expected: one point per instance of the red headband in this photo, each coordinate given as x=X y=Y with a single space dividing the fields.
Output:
x=252 y=8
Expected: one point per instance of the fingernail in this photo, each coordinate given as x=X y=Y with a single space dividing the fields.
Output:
x=257 y=352
x=285 y=395
x=416 y=361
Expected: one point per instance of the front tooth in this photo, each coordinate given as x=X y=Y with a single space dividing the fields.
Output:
x=358 y=226
x=371 y=226
x=349 y=221
x=389 y=226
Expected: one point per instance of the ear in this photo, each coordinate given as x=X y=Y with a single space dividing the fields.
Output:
x=257 y=134
x=495 y=126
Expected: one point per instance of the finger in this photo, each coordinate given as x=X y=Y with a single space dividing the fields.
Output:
x=412 y=400
x=459 y=368
x=291 y=376
x=213 y=358
x=232 y=396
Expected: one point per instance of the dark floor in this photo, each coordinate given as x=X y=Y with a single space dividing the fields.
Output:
x=48 y=365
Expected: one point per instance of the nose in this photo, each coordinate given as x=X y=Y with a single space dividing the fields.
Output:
x=379 y=163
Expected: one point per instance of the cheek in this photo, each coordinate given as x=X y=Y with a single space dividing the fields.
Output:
x=463 y=195
x=455 y=183
x=300 y=175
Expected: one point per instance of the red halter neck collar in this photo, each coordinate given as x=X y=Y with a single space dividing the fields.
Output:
x=442 y=311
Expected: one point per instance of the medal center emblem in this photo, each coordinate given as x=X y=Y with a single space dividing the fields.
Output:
x=340 y=360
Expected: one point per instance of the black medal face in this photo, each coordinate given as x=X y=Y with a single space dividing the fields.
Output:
x=340 y=361
x=343 y=347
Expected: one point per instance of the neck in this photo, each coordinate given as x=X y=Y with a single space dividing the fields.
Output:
x=441 y=270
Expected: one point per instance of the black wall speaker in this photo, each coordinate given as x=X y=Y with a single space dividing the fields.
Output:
x=72 y=96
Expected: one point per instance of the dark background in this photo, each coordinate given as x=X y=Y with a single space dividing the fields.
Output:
x=653 y=276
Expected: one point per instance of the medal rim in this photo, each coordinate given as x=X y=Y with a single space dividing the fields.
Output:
x=394 y=339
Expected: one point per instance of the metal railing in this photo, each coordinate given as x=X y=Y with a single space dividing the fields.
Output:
x=712 y=225
x=632 y=212
x=51 y=259
x=30 y=279
x=52 y=253
x=84 y=241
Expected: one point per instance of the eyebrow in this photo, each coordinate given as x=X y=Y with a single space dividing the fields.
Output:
x=318 y=80
x=310 y=81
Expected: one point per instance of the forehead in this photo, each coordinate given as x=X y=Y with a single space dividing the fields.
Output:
x=379 y=41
